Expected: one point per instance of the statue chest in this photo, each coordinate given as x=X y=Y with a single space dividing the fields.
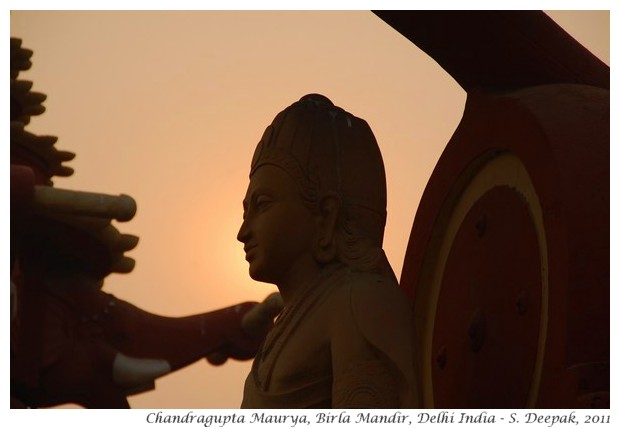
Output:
x=295 y=354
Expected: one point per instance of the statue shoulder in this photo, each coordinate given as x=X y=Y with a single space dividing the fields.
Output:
x=380 y=309
x=372 y=343
x=373 y=306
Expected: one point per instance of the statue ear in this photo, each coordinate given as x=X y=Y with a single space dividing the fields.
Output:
x=325 y=245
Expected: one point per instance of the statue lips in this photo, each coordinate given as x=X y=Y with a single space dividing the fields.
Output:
x=247 y=249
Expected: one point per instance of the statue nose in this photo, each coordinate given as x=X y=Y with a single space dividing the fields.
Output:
x=244 y=232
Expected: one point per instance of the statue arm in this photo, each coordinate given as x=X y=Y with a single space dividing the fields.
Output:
x=372 y=353
x=180 y=340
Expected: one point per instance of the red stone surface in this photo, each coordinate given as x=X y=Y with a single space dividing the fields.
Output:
x=560 y=133
x=494 y=50
x=487 y=324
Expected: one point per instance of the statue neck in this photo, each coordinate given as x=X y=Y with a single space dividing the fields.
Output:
x=296 y=285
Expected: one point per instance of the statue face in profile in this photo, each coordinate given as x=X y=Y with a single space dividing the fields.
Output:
x=278 y=228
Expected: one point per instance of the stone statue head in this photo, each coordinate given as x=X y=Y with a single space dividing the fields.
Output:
x=333 y=159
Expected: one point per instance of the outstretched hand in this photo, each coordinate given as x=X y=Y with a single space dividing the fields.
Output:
x=255 y=321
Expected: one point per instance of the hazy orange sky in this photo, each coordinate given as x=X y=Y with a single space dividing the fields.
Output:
x=168 y=106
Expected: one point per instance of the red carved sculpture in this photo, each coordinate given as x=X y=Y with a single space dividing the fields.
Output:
x=508 y=260
x=70 y=341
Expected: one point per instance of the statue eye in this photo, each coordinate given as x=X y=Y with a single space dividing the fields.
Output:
x=263 y=202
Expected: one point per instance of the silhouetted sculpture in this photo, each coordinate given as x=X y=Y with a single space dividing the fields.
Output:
x=70 y=341
x=507 y=266
x=314 y=218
